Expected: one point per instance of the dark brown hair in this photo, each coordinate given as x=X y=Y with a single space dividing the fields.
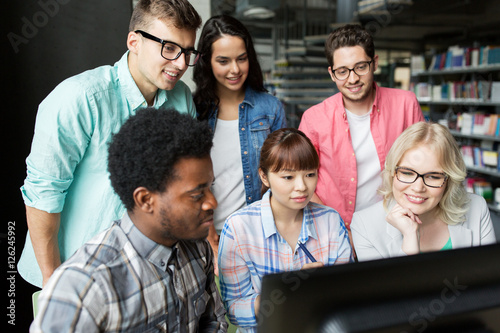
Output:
x=347 y=36
x=205 y=96
x=287 y=149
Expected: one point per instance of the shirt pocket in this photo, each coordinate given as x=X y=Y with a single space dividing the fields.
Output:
x=158 y=325
x=259 y=130
x=200 y=304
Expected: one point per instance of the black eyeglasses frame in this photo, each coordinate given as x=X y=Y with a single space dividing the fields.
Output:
x=352 y=70
x=163 y=42
x=420 y=175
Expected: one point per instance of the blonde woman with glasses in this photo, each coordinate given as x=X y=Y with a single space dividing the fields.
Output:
x=425 y=206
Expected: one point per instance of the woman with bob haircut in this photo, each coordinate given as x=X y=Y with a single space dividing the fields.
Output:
x=282 y=232
x=425 y=207
x=230 y=95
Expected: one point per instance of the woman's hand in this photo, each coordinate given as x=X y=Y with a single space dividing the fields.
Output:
x=213 y=239
x=313 y=265
x=408 y=224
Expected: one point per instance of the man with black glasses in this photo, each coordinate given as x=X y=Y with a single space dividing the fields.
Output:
x=67 y=192
x=354 y=129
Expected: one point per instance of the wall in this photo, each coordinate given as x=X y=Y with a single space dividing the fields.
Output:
x=44 y=42
x=203 y=8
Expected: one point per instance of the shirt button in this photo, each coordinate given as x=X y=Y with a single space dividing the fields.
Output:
x=248 y=176
x=352 y=179
x=249 y=198
x=243 y=128
x=245 y=152
x=261 y=123
x=162 y=263
x=347 y=130
x=350 y=202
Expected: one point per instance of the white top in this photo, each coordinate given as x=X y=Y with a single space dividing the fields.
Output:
x=375 y=238
x=228 y=188
x=367 y=161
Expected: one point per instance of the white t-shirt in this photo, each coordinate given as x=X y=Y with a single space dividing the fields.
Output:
x=367 y=161
x=228 y=188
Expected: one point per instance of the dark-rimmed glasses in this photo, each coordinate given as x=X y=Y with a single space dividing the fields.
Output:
x=172 y=51
x=431 y=179
x=360 y=69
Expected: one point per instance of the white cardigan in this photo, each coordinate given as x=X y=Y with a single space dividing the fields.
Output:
x=375 y=238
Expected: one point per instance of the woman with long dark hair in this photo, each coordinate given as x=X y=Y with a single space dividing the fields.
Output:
x=230 y=95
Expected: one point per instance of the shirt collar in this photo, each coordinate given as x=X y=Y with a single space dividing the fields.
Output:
x=157 y=254
x=250 y=95
x=132 y=92
x=269 y=226
x=266 y=215
x=308 y=229
x=377 y=97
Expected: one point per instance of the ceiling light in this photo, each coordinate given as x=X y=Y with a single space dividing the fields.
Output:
x=258 y=13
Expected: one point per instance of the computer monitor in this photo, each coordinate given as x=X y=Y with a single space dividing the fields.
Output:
x=446 y=291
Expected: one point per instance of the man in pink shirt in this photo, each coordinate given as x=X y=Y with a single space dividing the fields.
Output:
x=354 y=129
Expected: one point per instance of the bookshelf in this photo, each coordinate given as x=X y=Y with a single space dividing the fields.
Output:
x=460 y=88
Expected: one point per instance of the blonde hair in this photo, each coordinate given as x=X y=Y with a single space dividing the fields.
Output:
x=454 y=203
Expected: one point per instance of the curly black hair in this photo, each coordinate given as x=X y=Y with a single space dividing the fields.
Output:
x=147 y=147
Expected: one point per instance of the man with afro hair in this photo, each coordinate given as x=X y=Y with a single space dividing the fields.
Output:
x=152 y=269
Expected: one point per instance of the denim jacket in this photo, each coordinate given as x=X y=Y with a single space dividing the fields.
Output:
x=259 y=114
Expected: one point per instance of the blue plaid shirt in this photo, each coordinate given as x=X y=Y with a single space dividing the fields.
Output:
x=122 y=281
x=251 y=247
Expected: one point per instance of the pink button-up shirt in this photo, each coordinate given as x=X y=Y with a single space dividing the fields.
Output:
x=326 y=126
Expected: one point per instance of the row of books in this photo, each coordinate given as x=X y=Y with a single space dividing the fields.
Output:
x=479 y=186
x=475 y=156
x=485 y=91
x=478 y=123
x=458 y=57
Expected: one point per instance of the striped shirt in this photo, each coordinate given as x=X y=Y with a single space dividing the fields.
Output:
x=251 y=247
x=122 y=281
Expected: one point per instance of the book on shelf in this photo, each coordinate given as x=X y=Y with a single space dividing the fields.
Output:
x=490 y=158
x=464 y=90
x=469 y=56
x=468 y=155
x=478 y=123
x=492 y=128
x=484 y=189
x=481 y=123
x=422 y=91
x=479 y=186
x=495 y=91
x=478 y=157
x=417 y=63
x=466 y=123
